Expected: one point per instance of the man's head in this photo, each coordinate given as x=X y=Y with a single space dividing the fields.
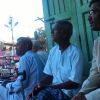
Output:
x=62 y=31
x=23 y=45
x=36 y=45
x=94 y=15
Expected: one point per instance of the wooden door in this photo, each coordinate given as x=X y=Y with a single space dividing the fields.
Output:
x=77 y=12
x=86 y=35
x=59 y=10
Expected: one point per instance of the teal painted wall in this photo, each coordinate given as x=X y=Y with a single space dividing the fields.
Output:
x=75 y=11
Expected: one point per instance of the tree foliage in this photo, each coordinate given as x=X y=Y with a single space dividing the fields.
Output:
x=40 y=35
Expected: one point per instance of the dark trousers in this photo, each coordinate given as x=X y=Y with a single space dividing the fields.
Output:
x=51 y=94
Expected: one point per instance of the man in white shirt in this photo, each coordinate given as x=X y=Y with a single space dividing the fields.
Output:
x=91 y=87
x=64 y=66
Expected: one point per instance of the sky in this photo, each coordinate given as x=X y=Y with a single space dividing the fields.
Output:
x=25 y=12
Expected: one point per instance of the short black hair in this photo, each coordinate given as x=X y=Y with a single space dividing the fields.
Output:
x=93 y=1
x=66 y=25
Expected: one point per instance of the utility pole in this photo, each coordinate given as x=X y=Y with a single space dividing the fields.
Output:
x=11 y=25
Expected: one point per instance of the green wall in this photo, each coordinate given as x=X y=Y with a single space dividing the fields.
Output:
x=75 y=11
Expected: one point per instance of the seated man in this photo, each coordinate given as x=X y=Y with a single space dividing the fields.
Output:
x=30 y=69
x=64 y=67
x=91 y=87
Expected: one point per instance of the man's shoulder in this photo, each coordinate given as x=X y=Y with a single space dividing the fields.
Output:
x=28 y=54
x=97 y=39
x=56 y=47
x=97 y=42
x=75 y=48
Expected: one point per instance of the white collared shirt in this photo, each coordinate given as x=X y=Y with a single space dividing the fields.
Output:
x=65 y=66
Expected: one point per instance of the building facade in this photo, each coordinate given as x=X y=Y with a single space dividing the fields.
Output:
x=75 y=11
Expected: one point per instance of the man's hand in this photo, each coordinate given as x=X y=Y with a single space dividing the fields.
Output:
x=43 y=84
x=36 y=90
x=79 y=96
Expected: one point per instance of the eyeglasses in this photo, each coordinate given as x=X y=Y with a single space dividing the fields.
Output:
x=93 y=12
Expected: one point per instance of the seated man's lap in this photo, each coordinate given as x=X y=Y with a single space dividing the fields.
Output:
x=51 y=94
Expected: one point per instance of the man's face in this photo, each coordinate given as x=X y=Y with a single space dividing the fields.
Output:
x=19 y=49
x=59 y=33
x=94 y=17
x=56 y=33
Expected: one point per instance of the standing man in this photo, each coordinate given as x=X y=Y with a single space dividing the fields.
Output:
x=91 y=87
x=64 y=66
x=29 y=69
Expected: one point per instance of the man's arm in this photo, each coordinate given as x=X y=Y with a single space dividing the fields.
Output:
x=93 y=80
x=91 y=83
x=46 y=81
x=42 y=84
x=66 y=85
x=20 y=84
